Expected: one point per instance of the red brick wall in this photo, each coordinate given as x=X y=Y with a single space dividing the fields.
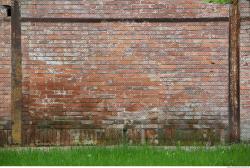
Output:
x=245 y=71
x=5 y=87
x=148 y=76
x=92 y=83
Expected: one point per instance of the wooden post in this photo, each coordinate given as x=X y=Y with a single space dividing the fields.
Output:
x=16 y=74
x=234 y=72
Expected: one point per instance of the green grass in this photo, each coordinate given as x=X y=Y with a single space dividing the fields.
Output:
x=222 y=156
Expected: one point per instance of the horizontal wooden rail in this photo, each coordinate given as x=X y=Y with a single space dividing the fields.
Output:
x=247 y=18
x=137 y=20
x=97 y=20
x=6 y=19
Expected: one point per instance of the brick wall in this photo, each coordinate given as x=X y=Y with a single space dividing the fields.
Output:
x=245 y=71
x=110 y=82
x=5 y=87
x=144 y=77
x=245 y=8
x=122 y=8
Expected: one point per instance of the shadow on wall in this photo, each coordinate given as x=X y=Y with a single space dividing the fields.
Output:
x=5 y=10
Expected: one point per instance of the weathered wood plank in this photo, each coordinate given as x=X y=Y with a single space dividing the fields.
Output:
x=234 y=69
x=16 y=73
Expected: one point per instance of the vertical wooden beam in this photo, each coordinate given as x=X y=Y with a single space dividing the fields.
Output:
x=234 y=73
x=16 y=74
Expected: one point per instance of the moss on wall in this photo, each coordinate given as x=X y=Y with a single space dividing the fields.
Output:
x=219 y=1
